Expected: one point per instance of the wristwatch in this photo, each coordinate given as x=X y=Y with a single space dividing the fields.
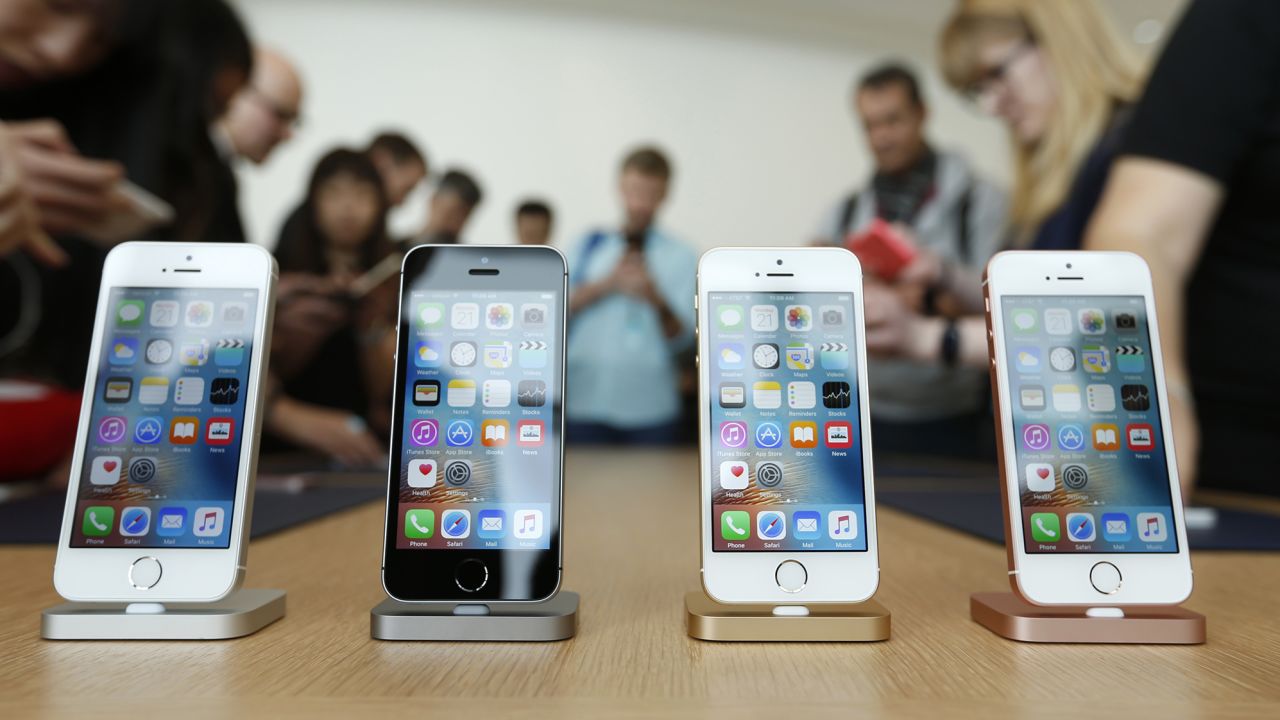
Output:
x=950 y=343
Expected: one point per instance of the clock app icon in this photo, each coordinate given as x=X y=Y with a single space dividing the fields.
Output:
x=1062 y=359
x=765 y=356
x=463 y=354
x=159 y=351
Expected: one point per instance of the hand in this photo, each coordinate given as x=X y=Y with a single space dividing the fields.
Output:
x=307 y=313
x=631 y=277
x=336 y=433
x=19 y=217
x=925 y=269
x=72 y=193
x=889 y=320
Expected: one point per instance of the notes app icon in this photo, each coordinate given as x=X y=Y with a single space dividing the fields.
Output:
x=767 y=395
x=462 y=393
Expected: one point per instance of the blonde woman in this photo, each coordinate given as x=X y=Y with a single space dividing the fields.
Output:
x=1059 y=76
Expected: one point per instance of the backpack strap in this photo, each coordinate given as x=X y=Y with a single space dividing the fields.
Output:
x=847 y=211
x=593 y=243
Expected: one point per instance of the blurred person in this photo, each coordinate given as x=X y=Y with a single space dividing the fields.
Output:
x=452 y=202
x=42 y=41
x=1194 y=194
x=321 y=350
x=630 y=317
x=955 y=220
x=533 y=223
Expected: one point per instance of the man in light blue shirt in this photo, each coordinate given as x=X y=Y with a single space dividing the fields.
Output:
x=630 y=318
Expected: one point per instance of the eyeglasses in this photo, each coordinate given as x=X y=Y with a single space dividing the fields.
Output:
x=980 y=90
x=284 y=115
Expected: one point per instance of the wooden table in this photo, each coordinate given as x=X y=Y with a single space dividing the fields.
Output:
x=632 y=552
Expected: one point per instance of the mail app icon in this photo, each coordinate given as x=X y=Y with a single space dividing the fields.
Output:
x=492 y=524
x=807 y=525
x=1117 y=527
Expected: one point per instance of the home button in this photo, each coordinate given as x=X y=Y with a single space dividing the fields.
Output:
x=1105 y=578
x=145 y=572
x=471 y=575
x=791 y=576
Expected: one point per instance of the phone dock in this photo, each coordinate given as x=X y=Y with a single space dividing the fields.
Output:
x=1009 y=616
x=706 y=619
x=548 y=621
x=241 y=613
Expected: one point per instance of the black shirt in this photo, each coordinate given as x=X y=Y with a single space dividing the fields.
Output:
x=1064 y=228
x=1213 y=106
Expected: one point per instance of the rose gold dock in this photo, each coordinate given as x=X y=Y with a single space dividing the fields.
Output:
x=1007 y=615
x=706 y=619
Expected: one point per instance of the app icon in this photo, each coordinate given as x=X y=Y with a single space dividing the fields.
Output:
x=1075 y=477
x=430 y=316
x=842 y=525
x=799 y=318
x=1035 y=436
x=1152 y=527
x=184 y=430
x=733 y=395
x=1125 y=321
x=235 y=313
x=422 y=473
x=764 y=318
x=799 y=356
x=188 y=391
x=496 y=393
x=498 y=316
x=459 y=433
x=1092 y=321
x=1106 y=437
x=159 y=351
x=199 y=313
x=456 y=524
x=426 y=393
x=1135 y=398
x=771 y=525
x=768 y=474
x=424 y=433
x=1140 y=437
x=457 y=473
x=533 y=315
x=1045 y=528
x=836 y=395
x=533 y=354
x=149 y=430
x=154 y=390
x=1057 y=321
x=839 y=434
x=729 y=317
x=124 y=351
x=1101 y=398
x=117 y=390
x=529 y=432
x=765 y=356
x=135 y=521
x=1031 y=397
x=462 y=354
x=733 y=475
x=112 y=429
x=1027 y=359
x=1040 y=478
x=493 y=433
x=1081 y=528
x=220 y=431
x=98 y=521
x=129 y=313
x=834 y=356
x=426 y=354
x=1066 y=398
x=1095 y=359
x=1129 y=359
x=531 y=393
x=527 y=524
x=164 y=313
x=194 y=354
x=465 y=316
x=768 y=435
x=105 y=470
x=172 y=522
x=831 y=316
x=419 y=524
x=802 y=395
x=493 y=525
x=1024 y=319
x=461 y=393
x=766 y=395
x=224 y=391
x=1115 y=526
x=733 y=434
x=228 y=352
x=497 y=356
x=208 y=521
x=730 y=357
x=1071 y=437
x=735 y=525
x=1062 y=359
x=807 y=524
x=804 y=434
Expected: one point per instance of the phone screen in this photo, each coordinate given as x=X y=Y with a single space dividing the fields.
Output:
x=479 y=460
x=785 y=435
x=163 y=451
x=1092 y=472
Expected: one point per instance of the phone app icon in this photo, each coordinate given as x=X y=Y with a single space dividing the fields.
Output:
x=426 y=393
x=424 y=432
x=159 y=351
x=533 y=315
x=497 y=356
x=802 y=395
x=1115 y=526
x=1024 y=320
x=428 y=354
x=527 y=524
x=1062 y=359
x=831 y=316
x=764 y=318
x=807 y=524
x=172 y=522
x=733 y=434
x=493 y=433
x=1101 y=398
x=208 y=521
x=729 y=317
x=457 y=473
x=98 y=521
x=129 y=313
x=105 y=470
x=766 y=395
x=1152 y=527
x=799 y=318
x=839 y=435
x=149 y=430
x=1106 y=437
x=188 y=391
x=1140 y=437
x=768 y=435
x=124 y=351
x=112 y=429
x=465 y=316
x=429 y=316
x=1092 y=321
x=842 y=525
x=199 y=313
x=184 y=430
x=799 y=356
x=235 y=313
x=224 y=391
x=419 y=524
x=834 y=356
x=1129 y=359
x=496 y=393
x=228 y=352
x=765 y=356
x=1135 y=398
x=117 y=390
x=531 y=393
x=1040 y=478
x=529 y=433
x=804 y=434
x=730 y=356
x=533 y=354
x=498 y=316
x=462 y=354
x=768 y=474
x=135 y=521
x=1035 y=436
x=836 y=395
x=455 y=524
x=771 y=525
x=1057 y=321
x=1096 y=359
x=220 y=431
x=1075 y=477
x=1066 y=398
x=1045 y=528
x=164 y=313
x=1081 y=528
x=493 y=525
x=1071 y=437
x=733 y=395
x=1031 y=397
x=735 y=525
x=733 y=475
x=1027 y=359
x=459 y=433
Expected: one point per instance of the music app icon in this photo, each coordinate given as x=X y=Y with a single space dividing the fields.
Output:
x=1035 y=436
x=527 y=524
x=208 y=521
x=842 y=524
x=1152 y=527
x=733 y=434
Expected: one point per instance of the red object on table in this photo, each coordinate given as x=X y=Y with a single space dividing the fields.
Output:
x=37 y=429
x=881 y=249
